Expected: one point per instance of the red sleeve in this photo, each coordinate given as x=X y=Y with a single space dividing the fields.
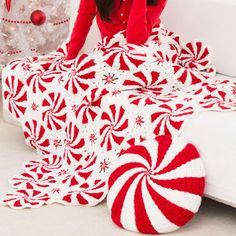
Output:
x=86 y=13
x=142 y=19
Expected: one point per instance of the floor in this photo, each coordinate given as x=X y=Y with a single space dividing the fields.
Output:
x=213 y=218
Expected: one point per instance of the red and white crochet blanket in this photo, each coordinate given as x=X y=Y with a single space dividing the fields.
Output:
x=79 y=115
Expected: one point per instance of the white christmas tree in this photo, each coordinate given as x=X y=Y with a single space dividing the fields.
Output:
x=29 y=28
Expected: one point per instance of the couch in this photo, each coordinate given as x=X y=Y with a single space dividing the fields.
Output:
x=213 y=132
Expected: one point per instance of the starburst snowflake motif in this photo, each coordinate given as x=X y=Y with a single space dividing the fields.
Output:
x=55 y=191
x=234 y=91
x=34 y=107
x=139 y=120
x=61 y=61
x=74 y=108
x=92 y=138
x=60 y=80
x=188 y=99
x=116 y=92
x=56 y=143
x=175 y=89
x=62 y=172
x=110 y=79
x=104 y=165
x=26 y=67
x=159 y=61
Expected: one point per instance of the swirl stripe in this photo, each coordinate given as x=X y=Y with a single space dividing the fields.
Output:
x=174 y=149
x=181 y=158
x=163 y=146
x=169 y=209
x=179 y=198
x=141 y=150
x=158 y=220
x=187 y=170
x=142 y=220
x=128 y=211
x=186 y=184
x=119 y=200
x=121 y=170
x=118 y=185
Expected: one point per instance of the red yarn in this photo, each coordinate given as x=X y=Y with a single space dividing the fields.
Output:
x=156 y=187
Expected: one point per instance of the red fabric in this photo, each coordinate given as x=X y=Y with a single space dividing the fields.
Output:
x=133 y=15
x=156 y=186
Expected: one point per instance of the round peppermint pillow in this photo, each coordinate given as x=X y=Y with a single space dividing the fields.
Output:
x=157 y=186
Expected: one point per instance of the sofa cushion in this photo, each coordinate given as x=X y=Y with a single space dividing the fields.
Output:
x=156 y=186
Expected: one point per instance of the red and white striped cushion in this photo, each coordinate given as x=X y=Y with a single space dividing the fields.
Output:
x=156 y=187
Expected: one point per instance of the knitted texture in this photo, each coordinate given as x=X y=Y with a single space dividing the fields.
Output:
x=80 y=114
x=156 y=187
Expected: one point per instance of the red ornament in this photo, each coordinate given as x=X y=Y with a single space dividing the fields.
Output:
x=8 y=4
x=38 y=17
